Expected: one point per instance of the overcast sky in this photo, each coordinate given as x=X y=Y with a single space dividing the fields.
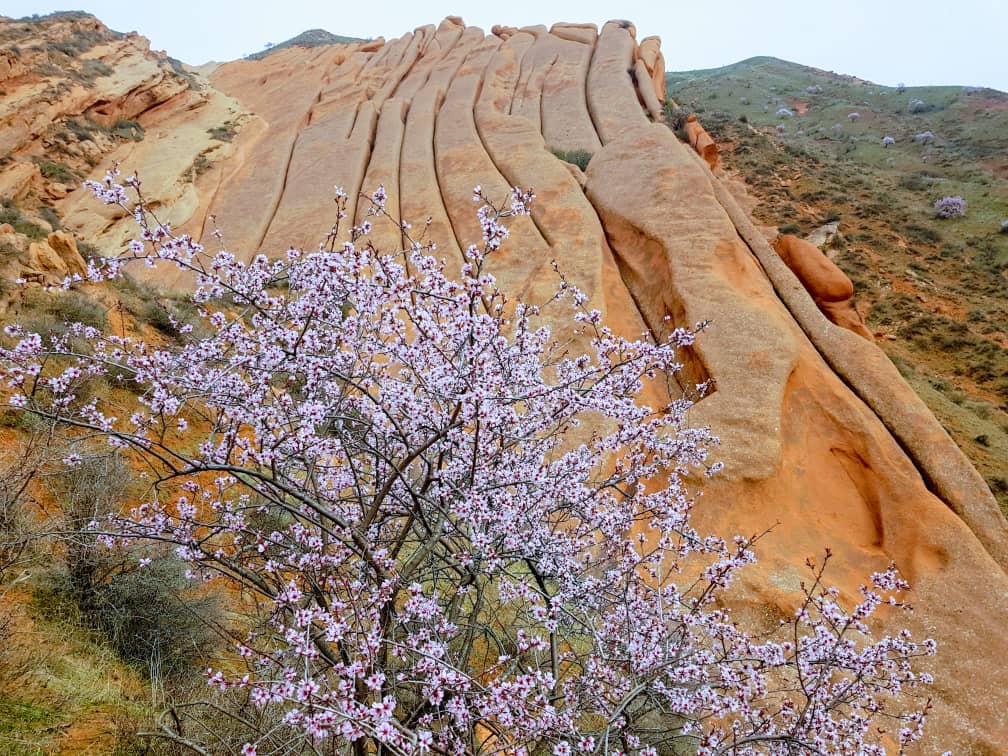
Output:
x=887 y=41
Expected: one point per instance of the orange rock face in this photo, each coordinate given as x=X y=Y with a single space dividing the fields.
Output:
x=823 y=280
x=821 y=437
x=702 y=141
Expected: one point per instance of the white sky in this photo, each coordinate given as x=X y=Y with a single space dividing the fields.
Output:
x=888 y=41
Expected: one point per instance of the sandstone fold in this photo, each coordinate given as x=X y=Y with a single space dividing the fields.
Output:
x=612 y=96
x=701 y=141
x=829 y=287
x=877 y=382
x=802 y=446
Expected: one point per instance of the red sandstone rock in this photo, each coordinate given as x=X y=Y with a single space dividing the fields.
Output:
x=701 y=141
x=829 y=286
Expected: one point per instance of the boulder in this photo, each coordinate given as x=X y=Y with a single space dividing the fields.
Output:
x=829 y=286
x=701 y=141
x=56 y=258
x=17 y=179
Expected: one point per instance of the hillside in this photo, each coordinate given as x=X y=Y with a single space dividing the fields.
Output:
x=934 y=290
x=823 y=441
x=309 y=38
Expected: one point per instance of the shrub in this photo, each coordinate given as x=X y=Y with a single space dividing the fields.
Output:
x=785 y=112
x=139 y=601
x=580 y=158
x=1004 y=226
x=394 y=463
x=152 y=616
x=92 y=69
x=924 y=137
x=11 y=213
x=918 y=106
x=56 y=171
x=223 y=133
x=82 y=129
x=49 y=215
x=887 y=140
x=126 y=129
x=950 y=207
x=853 y=116
x=53 y=311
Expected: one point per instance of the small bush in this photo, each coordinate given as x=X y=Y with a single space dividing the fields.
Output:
x=789 y=228
x=130 y=130
x=923 y=234
x=223 y=133
x=580 y=158
x=91 y=70
x=141 y=603
x=48 y=214
x=49 y=313
x=82 y=129
x=200 y=165
x=153 y=618
x=950 y=207
x=56 y=171
x=87 y=249
x=159 y=314
x=11 y=213
x=887 y=140
x=1004 y=226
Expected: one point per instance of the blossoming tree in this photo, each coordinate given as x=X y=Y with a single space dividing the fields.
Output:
x=466 y=536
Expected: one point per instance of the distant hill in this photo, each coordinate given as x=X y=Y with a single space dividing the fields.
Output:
x=310 y=38
x=810 y=145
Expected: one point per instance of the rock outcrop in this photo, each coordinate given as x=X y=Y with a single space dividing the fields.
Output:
x=829 y=287
x=701 y=141
x=820 y=434
x=79 y=97
x=55 y=258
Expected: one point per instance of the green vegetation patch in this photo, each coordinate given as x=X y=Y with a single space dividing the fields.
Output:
x=56 y=171
x=580 y=158
x=11 y=213
x=26 y=727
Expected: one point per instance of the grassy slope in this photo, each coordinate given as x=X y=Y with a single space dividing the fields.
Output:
x=935 y=290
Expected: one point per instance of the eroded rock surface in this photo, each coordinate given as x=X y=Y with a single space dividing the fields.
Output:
x=702 y=141
x=821 y=437
x=828 y=286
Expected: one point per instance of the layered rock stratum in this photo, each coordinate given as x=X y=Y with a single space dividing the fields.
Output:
x=822 y=440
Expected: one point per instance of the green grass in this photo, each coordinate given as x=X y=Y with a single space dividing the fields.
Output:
x=223 y=133
x=11 y=213
x=580 y=158
x=56 y=171
x=25 y=726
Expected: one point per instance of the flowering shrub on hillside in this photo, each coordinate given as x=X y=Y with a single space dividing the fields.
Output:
x=468 y=534
x=950 y=207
